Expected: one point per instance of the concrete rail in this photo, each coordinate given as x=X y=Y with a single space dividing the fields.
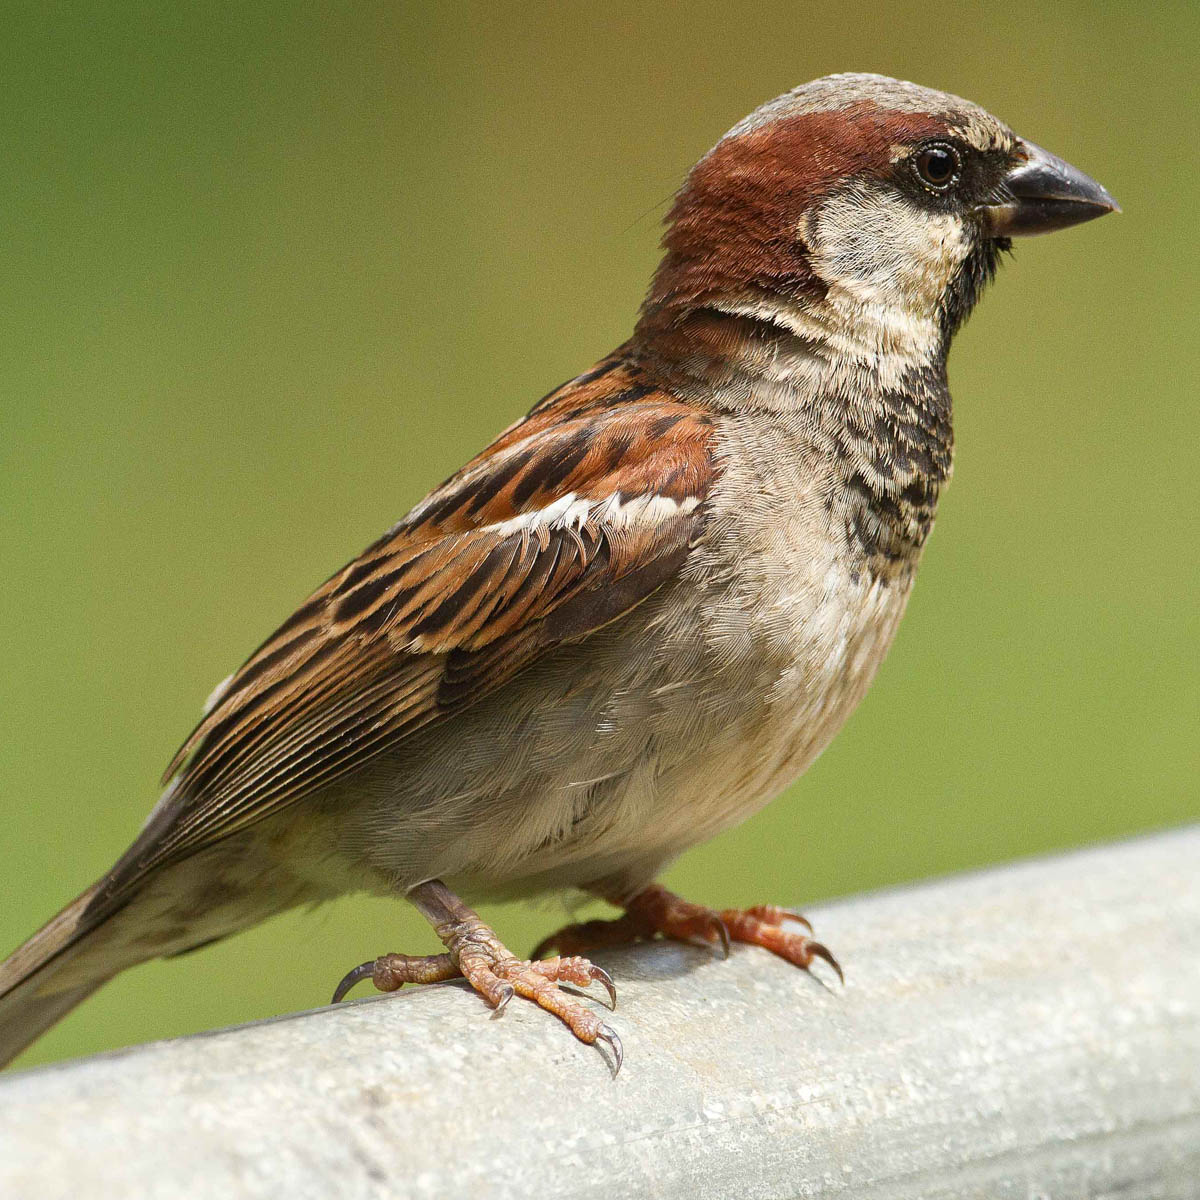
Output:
x=1028 y=1031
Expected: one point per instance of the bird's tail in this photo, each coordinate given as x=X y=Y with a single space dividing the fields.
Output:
x=178 y=907
x=56 y=969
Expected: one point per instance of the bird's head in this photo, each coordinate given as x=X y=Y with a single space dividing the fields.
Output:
x=872 y=205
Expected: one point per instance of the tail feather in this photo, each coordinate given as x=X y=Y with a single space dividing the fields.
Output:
x=180 y=907
x=37 y=988
x=25 y=1015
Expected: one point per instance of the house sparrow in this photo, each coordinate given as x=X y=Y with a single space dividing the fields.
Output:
x=636 y=616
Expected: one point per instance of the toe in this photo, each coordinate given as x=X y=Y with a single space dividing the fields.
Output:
x=392 y=971
x=578 y=971
x=532 y=982
x=773 y=914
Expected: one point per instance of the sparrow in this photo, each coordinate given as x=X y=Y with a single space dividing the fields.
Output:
x=637 y=615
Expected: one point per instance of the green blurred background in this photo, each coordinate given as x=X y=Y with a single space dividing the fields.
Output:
x=272 y=270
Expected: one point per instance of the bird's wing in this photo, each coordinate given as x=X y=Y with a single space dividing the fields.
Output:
x=568 y=520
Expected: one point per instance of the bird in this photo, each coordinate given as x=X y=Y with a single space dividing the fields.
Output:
x=637 y=615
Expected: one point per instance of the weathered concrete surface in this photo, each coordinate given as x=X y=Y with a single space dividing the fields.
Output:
x=1033 y=1031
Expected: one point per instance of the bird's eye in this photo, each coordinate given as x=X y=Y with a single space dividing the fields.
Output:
x=938 y=166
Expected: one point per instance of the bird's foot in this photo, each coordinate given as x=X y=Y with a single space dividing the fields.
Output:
x=475 y=953
x=655 y=911
x=763 y=925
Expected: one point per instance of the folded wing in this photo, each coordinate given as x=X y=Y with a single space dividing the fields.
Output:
x=568 y=520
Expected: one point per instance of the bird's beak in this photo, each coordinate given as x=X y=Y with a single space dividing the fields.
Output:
x=1043 y=193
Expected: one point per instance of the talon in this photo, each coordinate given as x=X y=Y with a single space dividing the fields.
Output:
x=362 y=971
x=722 y=932
x=600 y=975
x=774 y=914
x=474 y=952
x=606 y=1033
x=660 y=911
x=819 y=951
x=799 y=918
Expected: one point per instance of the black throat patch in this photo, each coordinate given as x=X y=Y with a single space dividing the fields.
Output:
x=896 y=452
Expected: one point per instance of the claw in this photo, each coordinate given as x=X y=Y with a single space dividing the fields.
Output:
x=722 y=932
x=799 y=918
x=819 y=951
x=607 y=1033
x=362 y=971
x=506 y=994
x=600 y=975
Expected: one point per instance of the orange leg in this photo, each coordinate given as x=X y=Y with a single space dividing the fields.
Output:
x=655 y=911
x=475 y=953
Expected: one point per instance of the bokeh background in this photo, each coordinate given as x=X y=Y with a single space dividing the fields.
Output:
x=273 y=270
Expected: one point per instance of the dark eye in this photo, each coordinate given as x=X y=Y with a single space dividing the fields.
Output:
x=938 y=166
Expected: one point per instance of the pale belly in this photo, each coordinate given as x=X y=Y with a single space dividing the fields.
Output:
x=837 y=650
x=776 y=712
x=600 y=763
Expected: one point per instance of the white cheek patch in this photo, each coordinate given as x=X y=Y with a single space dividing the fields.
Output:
x=886 y=249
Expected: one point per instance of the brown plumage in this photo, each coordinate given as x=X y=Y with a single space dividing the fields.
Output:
x=445 y=608
x=639 y=613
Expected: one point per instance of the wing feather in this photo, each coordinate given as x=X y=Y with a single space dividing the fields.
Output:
x=546 y=536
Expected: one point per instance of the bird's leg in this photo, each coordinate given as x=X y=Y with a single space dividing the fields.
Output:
x=474 y=952
x=655 y=911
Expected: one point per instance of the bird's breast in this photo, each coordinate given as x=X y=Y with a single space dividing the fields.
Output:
x=679 y=720
x=795 y=620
